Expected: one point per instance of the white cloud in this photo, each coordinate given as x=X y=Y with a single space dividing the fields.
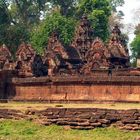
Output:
x=129 y=9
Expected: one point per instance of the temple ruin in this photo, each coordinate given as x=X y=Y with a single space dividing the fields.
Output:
x=86 y=70
x=84 y=55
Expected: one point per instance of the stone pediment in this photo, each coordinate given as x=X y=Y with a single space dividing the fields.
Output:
x=25 y=51
x=5 y=53
x=55 y=46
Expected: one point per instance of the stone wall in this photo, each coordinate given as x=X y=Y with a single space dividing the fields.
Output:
x=89 y=118
x=78 y=89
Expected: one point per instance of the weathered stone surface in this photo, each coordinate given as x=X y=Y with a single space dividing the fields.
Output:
x=81 y=119
x=55 y=56
x=118 y=49
x=104 y=121
x=98 y=124
x=24 y=59
x=83 y=37
x=78 y=89
x=76 y=122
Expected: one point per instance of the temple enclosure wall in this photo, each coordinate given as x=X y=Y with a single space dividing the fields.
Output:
x=77 y=89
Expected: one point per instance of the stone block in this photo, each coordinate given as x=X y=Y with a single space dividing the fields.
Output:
x=98 y=124
x=128 y=121
x=104 y=121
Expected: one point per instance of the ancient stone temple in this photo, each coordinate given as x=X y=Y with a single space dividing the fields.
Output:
x=87 y=70
x=25 y=56
x=55 y=55
x=83 y=37
x=118 y=49
x=98 y=55
x=5 y=57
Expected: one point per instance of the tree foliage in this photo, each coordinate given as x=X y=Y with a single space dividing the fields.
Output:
x=115 y=4
x=4 y=17
x=98 y=12
x=34 y=20
x=135 y=47
x=67 y=7
x=55 y=22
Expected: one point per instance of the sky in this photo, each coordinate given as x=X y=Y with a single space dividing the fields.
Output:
x=129 y=9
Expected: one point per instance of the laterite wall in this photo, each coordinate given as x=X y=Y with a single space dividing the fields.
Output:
x=77 y=89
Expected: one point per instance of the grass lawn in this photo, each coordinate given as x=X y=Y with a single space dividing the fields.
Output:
x=40 y=106
x=25 y=130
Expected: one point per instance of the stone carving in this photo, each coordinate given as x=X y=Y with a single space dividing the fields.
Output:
x=5 y=58
x=83 y=56
x=55 y=56
x=83 y=38
x=98 y=54
x=118 y=49
x=25 y=52
x=56 y=46
x=25 y=56
x=97 y=57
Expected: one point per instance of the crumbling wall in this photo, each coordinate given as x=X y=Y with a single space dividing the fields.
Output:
x=90 y=118
x=78 y=118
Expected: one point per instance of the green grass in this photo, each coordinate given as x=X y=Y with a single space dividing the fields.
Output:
x=25 y=130
x=41 y=106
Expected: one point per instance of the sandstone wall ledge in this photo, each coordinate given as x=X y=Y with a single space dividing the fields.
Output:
x=77 y=89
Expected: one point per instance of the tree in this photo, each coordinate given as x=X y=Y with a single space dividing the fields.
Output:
x=98 y=11
x=19 y=18
x=27 y=12
x=11 y=34
x=135 y=47
x=55 y=22
x=67 y=7
x=115 y=4
x=4 y=17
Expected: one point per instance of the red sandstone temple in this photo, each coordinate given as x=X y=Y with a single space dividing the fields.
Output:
x=85 y=54
x=87 y=70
